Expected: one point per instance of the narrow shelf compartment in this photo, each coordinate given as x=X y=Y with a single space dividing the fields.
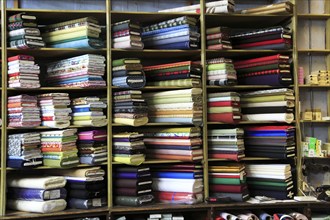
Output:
x=150 y=53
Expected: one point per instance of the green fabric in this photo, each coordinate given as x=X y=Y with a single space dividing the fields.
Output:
x=266 y=183
x=177 y=82
x=72 y=39
x=272 y=98
x=123 y=61
x=171 y=69
x=227 y=181
x=219 y=109
x=220 y=66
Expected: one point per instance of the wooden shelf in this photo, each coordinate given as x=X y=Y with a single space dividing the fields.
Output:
x=155 y=161
x=314 y=16
x=56 y=89
x=314 y=86
x=314 y=51
x=157 y=54
x=313 y=121
x=48 y=168
x=244 y=87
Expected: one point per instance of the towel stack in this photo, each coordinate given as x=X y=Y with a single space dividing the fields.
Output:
x=217 y=38
x=23 y=72
x=92 y=146
x=130 y=108
x=270 y=141
x=128 y=148
x=268 y=105
x=54 y=110
x=271 y=180
x=36 y=193
x=174 y=143
x=180 y=74
x=178 y=184
x=226 y=143
x=59 y=148
x=177 y=33
x=80 y=71
x=23 y=111
x=24 y=32
x=228 y=181
x=82 y=33
x=128 y=73
x=182 y=106
x=88 y=111
x=271 y=70
x=221 y=72
x=224 y=107
x=132 y=186
x=23 y=150
x=126 y=35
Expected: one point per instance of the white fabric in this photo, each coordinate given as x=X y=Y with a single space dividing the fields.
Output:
x=37 y=206
x=34 y=182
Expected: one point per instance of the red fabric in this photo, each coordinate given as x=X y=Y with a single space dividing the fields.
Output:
x=263 y=43
x=269 y=128
x=222 y=117
x=20 y=57
x=227 y=188
x=275 y=57
x=223 y=104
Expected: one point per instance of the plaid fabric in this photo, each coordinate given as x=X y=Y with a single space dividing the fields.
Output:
x=15 y=18
x=20 y=24
x=219 y=60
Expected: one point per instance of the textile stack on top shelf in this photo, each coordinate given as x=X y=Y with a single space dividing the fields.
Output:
x=183 y=144
x=128 y=148
x=270 y=141
x=132 y=186
x=128 y=73
x=59 y=148
x=271 y=70
x=271 y=180
x=185 y=74
x=23 y=72
x=23 y=111
x=31 y=193
x=268 y=105
x=224 y=107
x=178 y=183
x=82 y=33
x=130 y=108
x=88 y=111
x=226 y=143
x=217 y=38
x=221 y=72
x=182 y=106
x=126 y=35
x=81 y=71
x=24 y=150
x=177 y=33
x=92 y=146
x=228 y=181
x=277 y=8
x=271 y=38
x=24 y=32
x=54 y=110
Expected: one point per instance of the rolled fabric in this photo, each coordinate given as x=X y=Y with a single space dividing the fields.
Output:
x=37 y=206
x=228 y=216
x=35 y=182
x=36 y=194
x=298 y=216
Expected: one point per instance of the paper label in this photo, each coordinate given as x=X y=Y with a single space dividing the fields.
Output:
x=97 y=202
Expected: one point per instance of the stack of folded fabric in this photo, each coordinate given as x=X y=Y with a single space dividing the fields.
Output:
x=182 y=106
x=82 y=33
x=36 y=193
x=226 y=143
x=268 y=105
x=59 y=148
x=132 y=186
x=224 y=107
x=270 y=141
x=86 y=187
x=54 y=110
x=88 y=111
x=80 y=71
x=271 y=180
x=130 y=108
x=217 y=38
x=285 y=7
x=242 y=214
x=92 y=146
x=228 y=181
x=24 y=32
x=180 y=74
x=128 y=73
x=177 y=33
x=23 y=150
x=23 y=72
x=271 y=70
x=126 y=35
x=128 y=148
x=272 y=38
x=221 y=72
x=174 y=143
x=214 y=7
x=178 y=184
x=23 y=111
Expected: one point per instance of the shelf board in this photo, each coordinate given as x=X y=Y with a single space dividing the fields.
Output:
x=155 y=161
x=155 y=124
x=243 y=87
x=316 y=51
x=159 y=207
x=151 y=53
x=314 y=86
x=56 y=89
x=314 y=121
x=242 y=53
x=314 y=16
x=159 y=87
x=47 y=168
x=248 y=122
x=46 y=128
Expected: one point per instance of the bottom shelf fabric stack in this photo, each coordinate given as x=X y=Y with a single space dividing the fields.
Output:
x=39 y=194
x=178 y=183
x=270 y=141
x=261 y=214
x=228 y=181
x=271 y=180
x=132 y=186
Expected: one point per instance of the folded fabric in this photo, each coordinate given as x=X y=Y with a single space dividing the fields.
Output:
x=133 y=82
x=83 y=185
x=177 y=185
x=34 y=182
x=132 y=122
x=37 y=206
x=36 y=194
x=178 y=197
x=85 y=194
x=86 y=203
x=136 y=159
x=134 y=200
x=279 y=117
